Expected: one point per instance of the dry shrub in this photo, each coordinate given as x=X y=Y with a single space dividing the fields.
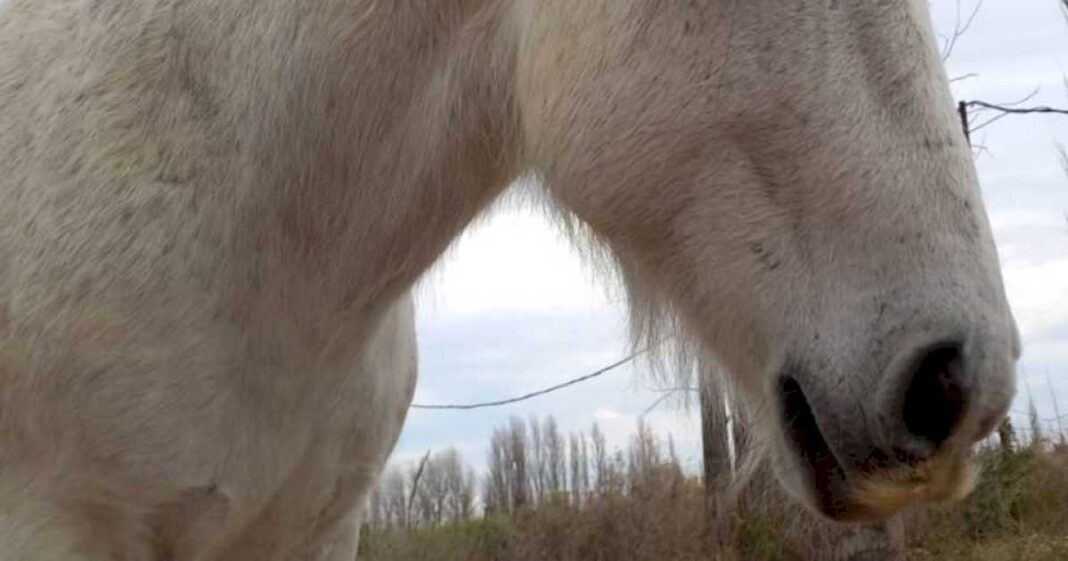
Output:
x=662 y=523
x=655 y=513
x=773 y=527
x=1018 y=511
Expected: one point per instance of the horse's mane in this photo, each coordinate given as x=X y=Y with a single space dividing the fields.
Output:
x=673 y=357
x=668 y=353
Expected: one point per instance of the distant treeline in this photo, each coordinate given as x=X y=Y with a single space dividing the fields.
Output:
x=530 y=464
x=547 y=496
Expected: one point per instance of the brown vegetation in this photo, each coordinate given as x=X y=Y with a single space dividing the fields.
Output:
x=547 y=497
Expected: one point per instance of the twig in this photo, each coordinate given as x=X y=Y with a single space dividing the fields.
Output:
x=415 y=486
x=990 y=121
x=1016 y=110
x=678 y=389
x=1004 y=110
x=959 y=30
x=1056 y=406
x=660 y=400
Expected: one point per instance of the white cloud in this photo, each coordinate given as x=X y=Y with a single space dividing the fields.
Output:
x=1015 y=219
x=606 y=414
x=515 y=262
x=1038 y=294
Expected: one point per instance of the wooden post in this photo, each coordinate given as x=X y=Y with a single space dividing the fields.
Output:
x=962 y=109
x=714 y=436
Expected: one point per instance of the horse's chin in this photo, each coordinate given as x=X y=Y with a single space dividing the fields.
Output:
x=817 y=480
x=943 y=479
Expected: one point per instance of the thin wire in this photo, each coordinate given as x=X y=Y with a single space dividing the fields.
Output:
x=551 y=389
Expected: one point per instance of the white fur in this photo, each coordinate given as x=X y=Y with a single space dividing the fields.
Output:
x=212 y=213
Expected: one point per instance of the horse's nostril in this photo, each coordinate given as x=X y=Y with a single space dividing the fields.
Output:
x=935 y=398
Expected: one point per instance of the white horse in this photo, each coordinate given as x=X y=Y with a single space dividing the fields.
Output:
x=212 y=214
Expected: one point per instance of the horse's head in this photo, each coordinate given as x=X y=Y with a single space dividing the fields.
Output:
x=791 y=177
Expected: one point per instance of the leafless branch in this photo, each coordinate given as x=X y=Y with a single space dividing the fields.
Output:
x=660 y=400
x=989 y=121
x=980 y=149
x=964 y=77
x=1007 y=109
x=960 y=28
x=1002 y=110
x=674 y=390
x=415 y=486
x=1015 y=103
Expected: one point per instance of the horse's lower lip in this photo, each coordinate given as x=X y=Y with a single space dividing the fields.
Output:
x=947 y=477
x=871 y=497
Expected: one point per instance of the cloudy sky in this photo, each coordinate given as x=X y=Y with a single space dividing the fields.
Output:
x=511 y=308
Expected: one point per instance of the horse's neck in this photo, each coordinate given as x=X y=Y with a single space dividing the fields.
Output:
x=322 y=154
x=418 y=137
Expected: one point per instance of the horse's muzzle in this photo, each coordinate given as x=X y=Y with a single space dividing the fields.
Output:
x=909 y=442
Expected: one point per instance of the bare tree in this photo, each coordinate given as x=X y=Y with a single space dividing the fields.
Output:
x=375 y=510
x=643 y=459
x=393 y=501
x=517 y=464
x=459 y=486
x=539 y=466
x=555 y=458
x=497 y=491
x=584 y=466
x=600 y=459
x=506 y=487
x=577 y=457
